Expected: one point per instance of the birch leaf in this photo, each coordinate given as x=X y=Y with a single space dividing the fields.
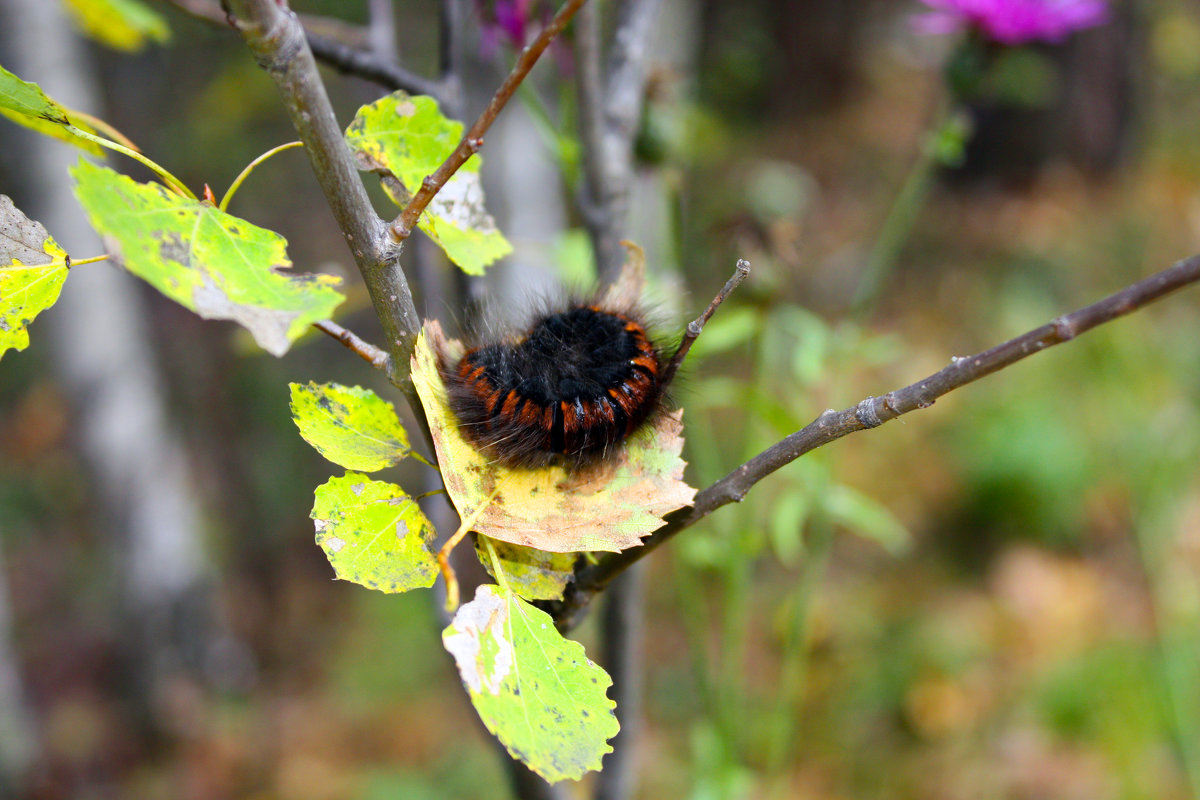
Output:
x=535 y=690
x=213 y=263
x=126 y=25
x=26 y=104
x=32 y=271
x=405 y=138
x=532 y=574
x=351 y=426
x=374 y=534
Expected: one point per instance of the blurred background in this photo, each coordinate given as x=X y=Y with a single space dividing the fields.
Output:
x=998 y=597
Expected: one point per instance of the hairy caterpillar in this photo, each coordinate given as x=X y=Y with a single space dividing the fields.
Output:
x=569 y=391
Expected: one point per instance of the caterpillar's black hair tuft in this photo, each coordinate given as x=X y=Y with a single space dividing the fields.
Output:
x=569 y=392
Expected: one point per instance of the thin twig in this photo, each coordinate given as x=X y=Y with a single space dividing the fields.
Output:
x=363 y=64
x=872 y=412
x=346 y=58
x=402 y=227
x=740 y=273
x=379 y=359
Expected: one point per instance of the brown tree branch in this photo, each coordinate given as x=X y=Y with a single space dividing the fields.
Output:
x=403 y=225
x=379 y=359
x=277 y=39
x=872 y=412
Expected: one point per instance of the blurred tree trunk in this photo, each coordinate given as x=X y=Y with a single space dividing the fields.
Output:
x=785 y=56
x=107 y=368
x=18 y=736
x=821 y=42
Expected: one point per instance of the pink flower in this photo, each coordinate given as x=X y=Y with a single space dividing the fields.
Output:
x=1012 y=22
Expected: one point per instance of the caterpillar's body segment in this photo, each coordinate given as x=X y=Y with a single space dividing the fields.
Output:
x=569 y=392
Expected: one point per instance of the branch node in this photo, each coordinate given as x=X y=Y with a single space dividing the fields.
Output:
x=865 y=413
x=1063 y=329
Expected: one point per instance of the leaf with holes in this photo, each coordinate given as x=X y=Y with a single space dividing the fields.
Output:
x=26 y=104
x=32 y=271
x=211 y=262
x=610 y=506
x=535 y=690
x=351 y=426
x=374 y=534
x=532 y=574
x=405 y=138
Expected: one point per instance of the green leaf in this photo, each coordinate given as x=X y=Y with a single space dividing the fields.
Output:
x=404 y=139
x=26 y=104
x=32 y=270
x=213 y=263
x=374 y=534
x=28 y=99
x=533 y=574
x=120 y=24
x=866 y=517
x=352 y=427
x=536 y=691
x=609 y=507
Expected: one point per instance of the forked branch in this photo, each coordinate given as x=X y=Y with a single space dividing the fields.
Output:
x=872 y=412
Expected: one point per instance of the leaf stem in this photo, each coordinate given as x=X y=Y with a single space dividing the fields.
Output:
x=74 y=262
x=497 y=570
x=171 y=181
x=443 y=555
x=69 y=262
x=103 y=127
x=237 y=182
